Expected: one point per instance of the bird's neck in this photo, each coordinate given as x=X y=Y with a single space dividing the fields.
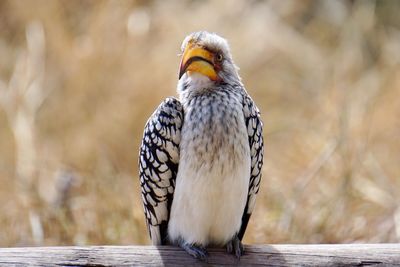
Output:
x=194 y=84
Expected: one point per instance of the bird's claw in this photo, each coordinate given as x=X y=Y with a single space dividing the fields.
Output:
x=235 y=247
x=196 y=251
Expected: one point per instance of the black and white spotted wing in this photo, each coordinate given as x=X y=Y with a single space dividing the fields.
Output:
x=254 y=130
x=158 y=163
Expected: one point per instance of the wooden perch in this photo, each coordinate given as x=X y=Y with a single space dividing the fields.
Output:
x=261 y=255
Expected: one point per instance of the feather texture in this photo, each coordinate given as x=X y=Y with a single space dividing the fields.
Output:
x=158 y=166
x=254 y=129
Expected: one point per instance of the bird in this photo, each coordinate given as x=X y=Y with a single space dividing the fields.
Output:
x=201 y=155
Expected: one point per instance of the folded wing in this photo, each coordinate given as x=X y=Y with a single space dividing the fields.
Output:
x=254 y=130
x=158 y=166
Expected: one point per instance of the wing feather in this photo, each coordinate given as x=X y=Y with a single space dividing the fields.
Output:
x=158 y=165
x=254 y=129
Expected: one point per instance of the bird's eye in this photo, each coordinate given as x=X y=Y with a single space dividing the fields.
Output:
x=219 y=57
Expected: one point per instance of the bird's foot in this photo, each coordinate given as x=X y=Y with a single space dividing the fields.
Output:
x=196 y=251
x=235 y=247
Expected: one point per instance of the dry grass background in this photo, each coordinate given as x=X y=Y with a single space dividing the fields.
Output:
x=80 y=78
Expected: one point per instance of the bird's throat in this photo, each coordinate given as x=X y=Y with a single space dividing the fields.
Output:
x=192 y=84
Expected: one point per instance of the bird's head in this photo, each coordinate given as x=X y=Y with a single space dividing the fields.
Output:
x=206 y=59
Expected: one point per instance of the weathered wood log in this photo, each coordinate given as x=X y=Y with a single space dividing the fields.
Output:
x=261 y=255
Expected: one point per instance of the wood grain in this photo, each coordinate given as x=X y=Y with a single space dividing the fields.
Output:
x=255 y=255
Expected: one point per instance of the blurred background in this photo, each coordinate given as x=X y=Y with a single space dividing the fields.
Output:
x=78 y=80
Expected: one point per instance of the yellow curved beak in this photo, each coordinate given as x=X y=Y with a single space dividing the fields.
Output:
x=198 y=59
